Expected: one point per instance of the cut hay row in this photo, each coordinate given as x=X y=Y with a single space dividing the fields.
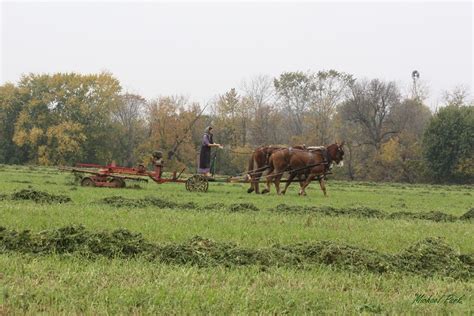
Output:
x=360 y=212
x=428 y=257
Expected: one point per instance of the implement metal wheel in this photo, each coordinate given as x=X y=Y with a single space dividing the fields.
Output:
x=118 y=183
x=197 y=183
x=87 y=182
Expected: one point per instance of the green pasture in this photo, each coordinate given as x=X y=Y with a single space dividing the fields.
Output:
x=69 y=283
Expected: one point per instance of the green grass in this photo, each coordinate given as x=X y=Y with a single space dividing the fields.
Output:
x=70 y=284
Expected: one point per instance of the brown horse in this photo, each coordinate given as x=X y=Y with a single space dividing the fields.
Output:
x=312 y=163
x=259 y=161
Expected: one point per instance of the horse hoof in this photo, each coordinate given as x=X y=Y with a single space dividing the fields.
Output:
x=250 y=190
x=265 y=191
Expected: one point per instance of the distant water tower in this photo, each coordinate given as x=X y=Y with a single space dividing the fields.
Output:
x=415 y=75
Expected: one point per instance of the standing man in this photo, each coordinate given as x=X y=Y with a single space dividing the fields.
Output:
x=157 y=161
x=205 y=155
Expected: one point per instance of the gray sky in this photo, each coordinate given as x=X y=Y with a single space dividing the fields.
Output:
x=203 y=49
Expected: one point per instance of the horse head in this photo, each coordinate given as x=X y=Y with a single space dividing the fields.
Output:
x=336 y=152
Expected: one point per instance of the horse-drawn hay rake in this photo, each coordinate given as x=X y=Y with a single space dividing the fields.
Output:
x=113 y=176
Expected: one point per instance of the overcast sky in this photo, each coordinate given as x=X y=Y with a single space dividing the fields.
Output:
x=204 y=49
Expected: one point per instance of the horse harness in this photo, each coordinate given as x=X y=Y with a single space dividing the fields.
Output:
x=327 y=160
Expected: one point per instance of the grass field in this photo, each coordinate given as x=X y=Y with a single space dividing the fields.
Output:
x=54 y=282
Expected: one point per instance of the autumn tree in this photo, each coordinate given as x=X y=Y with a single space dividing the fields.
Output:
x=448 y=144
x=10 y=108
x=402 y=155
x=68 y=109
x=172 y=128
x=64 y=143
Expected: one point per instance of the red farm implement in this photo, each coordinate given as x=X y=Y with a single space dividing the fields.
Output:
x=112 y=176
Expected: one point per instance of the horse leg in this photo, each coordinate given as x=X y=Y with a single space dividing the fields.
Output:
x=269 y=179
x=251 y=175
x=300 y=180
x=306 y=183
x=255 y=180
x=251 y=189
x=290 y=178
x=323 y=186
x=277 y=183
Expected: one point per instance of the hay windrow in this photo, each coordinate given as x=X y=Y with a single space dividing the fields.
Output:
x=428 y=257
x=366 y=212
x=360 y=212
x=119 y=201
x=39 y=196
x=429 y=216
x=243 y=207
x=331 y=211
x=469 y=215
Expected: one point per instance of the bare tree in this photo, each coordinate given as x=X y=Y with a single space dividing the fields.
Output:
x=295 y=91
x=259 y=95
x=458 y=96
x=332 y=88
x=259 y=90
x=129 y=116
x=410 y=117
x=369 y=106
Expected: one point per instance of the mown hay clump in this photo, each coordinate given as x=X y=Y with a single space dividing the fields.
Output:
x=364 y=212
x=119 y=201
x=430 y=216
x=118 y=243
x=289 y=208
x=189 y=206
x=433 y=256
x=342 y=256
x=39 y=196
x=469 y=215
x=205 y=252
x=242 y=207
x=331 y=211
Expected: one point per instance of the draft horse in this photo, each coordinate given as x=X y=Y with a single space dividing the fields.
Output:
x=258 y=164
x=305 y=164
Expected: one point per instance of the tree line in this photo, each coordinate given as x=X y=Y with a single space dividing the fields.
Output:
x=64 y=118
